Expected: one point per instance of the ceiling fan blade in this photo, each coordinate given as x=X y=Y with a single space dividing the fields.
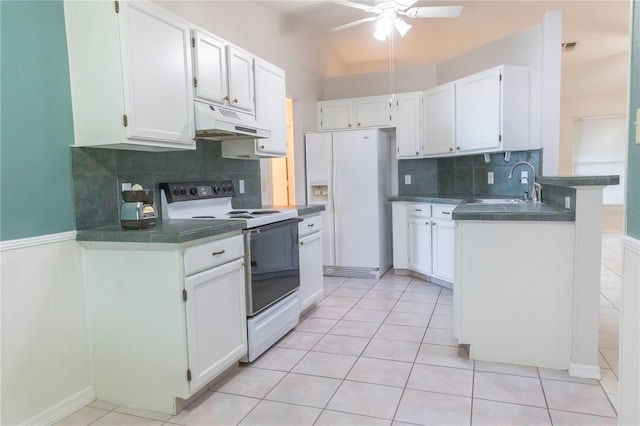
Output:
x=434 y=12
x=355 y=5
x=354 y=23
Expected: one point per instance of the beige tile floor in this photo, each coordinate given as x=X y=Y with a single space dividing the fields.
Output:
x=382 y=353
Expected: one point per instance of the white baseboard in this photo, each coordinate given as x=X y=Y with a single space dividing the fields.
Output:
x=584 y=371
x=631 y=243
x=36 y=241
x=63 y=408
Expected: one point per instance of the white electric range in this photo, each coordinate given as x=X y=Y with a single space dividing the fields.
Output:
x=272 y=274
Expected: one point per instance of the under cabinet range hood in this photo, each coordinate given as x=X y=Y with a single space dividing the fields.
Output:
x=222 y=124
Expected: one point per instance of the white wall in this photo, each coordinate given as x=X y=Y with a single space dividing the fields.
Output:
x=378 y=82
x=45 y=341
x=302 y=53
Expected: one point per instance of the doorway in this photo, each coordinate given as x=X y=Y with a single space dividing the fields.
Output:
x=278 y=174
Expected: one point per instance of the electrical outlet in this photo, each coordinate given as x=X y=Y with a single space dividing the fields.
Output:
x=567 y=203
x=524 y=174
x=407 y=179
x=490 y=178
x=126 y=186
x=241 y=186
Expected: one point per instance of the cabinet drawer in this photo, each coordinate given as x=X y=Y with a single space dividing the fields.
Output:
x=418 y=210
x=443 y=211
x=208 y=255
x=309 y=224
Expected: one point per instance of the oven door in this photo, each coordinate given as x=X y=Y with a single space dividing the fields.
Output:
x=272 y=267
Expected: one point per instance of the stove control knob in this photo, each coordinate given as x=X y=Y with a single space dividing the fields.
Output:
x=176 y=192
x=216 y=189
x=225 y=189
x=183 y=191
x=193 y=191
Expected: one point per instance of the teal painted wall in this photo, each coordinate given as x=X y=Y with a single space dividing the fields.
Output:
x=633 y=161
x=36 y=195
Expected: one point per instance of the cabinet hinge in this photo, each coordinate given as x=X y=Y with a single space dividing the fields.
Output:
x=184 y=295
x=193 y=42
x=195 y=81
x=117 y=6
x=125 y=120
x=397 y=103
x=188 y=375
x=389 y=118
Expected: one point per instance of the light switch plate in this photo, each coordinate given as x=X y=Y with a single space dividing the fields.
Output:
x=567 y=203
x=407 y=179
x=490 y=178
x=241 y=186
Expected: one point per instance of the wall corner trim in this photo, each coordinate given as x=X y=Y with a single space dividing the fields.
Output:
x=36 y=241
x=62 y=409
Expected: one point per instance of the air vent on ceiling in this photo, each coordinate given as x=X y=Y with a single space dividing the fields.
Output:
x=569 y=46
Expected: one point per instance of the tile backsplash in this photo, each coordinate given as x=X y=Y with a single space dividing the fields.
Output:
x=99 y=173
x=467 y=175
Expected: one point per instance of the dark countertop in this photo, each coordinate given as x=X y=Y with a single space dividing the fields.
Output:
x=493 y=212
x=433 y=199
x=176 y=231
x=579 y=180
x=513 y=212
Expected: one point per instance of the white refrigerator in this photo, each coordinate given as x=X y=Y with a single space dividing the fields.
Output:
x=349 y=173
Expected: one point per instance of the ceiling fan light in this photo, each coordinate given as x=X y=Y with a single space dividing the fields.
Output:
x=401 y=26
x=384 y=25
x=380 y=36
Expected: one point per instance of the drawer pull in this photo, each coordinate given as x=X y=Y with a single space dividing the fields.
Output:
x=217 y=253
x=310 y=225
x=446 y=212
x=301 y=243
x=435 y=223
x=418 y=210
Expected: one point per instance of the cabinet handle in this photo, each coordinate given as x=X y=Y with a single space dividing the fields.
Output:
x=226 y=98
x=301 y=243
x=434 y=223
x=417 y=153
x=446 y=212
x=458 y=148
x=427 y=223
x=349 y=125
x=217 y=253
x=450 y=149
x=261 y=146
x=310 y=225
x=235 y=100
x=358 y=124
x=418 y=210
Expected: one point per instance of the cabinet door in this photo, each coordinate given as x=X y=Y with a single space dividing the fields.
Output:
x=373 y=112
x=210 y=68
x=400 y=236
x=310 y=269
x=439 y=120
x=240 y=79
x=478 y=112
x=270 y=107
x=336 y=115
x=216 y=321
x=156 y=48
x=420 y=245
x=443 y=252
x=409 y=128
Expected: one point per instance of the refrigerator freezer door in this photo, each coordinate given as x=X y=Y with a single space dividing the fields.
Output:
x=319 y=184
x=356 y=199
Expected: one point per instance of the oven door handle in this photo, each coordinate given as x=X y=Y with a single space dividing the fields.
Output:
x=288 y=222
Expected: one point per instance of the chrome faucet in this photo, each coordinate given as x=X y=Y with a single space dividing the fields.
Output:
x=536 y=189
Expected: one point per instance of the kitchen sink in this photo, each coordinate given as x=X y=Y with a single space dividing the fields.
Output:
x=496 y=201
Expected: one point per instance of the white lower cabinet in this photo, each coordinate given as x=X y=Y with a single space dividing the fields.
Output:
x=423 y=239
x=164 y=319
x=310 y=240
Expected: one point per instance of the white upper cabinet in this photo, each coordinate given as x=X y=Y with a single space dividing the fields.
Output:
x=345 y=114
x=492 y=110
x=240 y=78
x=210 y=68
x=409 y=125
x=131 y=76
x=224 y=74
x=335 y=115
x=439 y=120
x=373 y=111
x=271 y=113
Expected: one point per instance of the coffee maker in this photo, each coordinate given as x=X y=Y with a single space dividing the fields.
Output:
x=138 y=211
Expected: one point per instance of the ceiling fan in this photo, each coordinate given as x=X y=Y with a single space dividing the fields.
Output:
x=388 y=15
